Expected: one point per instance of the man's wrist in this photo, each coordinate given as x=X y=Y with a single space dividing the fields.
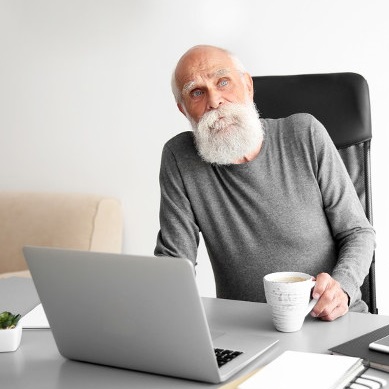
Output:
x=348 y=297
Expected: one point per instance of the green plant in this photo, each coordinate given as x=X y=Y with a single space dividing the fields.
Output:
x=8 y=320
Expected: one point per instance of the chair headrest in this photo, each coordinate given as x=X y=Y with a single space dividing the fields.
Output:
x=340 y=101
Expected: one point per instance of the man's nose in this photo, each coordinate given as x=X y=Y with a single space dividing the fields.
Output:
x=215 y=99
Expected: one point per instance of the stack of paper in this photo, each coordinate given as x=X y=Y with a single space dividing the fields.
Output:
x=36 y=318
x=303 y=370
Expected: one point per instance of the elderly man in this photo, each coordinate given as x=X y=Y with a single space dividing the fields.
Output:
x=267 y=195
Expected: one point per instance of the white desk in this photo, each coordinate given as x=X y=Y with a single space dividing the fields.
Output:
x=37 y=363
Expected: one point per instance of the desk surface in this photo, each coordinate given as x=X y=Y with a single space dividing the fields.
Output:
x=37 y=363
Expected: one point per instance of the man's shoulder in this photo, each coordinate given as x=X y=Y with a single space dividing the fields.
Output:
x=183 y=140
x=298 y=124
x=182 y=148
x=294 y=120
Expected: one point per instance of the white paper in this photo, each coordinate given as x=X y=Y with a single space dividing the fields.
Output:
x=304 y=370
x=36 y=318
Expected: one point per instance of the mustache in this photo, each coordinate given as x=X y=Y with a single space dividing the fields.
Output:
x=224 y=116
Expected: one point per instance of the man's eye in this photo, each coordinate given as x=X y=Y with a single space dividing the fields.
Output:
x=223 y=82
x=196 y=93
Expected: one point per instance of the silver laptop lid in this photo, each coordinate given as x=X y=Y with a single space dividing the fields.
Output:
x=135 y=312
x=141 y=313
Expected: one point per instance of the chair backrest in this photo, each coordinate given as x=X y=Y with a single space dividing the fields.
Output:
x=340 y=101
x=66 y=220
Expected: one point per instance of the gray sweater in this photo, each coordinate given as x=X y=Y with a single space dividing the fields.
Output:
x=293 y=208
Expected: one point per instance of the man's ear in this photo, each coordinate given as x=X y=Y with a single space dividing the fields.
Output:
x=181 y=108
x=249 y=84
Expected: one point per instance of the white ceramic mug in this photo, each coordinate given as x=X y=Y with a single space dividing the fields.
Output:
x=289 y=295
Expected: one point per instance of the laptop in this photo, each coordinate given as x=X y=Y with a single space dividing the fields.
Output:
x=135 y=312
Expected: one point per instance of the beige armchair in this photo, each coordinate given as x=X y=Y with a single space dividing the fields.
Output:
x=76 y=221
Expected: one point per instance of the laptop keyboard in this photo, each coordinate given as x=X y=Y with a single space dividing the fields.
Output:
x=223 y=356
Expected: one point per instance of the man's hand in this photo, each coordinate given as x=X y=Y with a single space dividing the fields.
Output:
x=332 y=299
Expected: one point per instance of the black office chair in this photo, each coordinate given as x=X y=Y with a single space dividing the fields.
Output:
x=340 y=101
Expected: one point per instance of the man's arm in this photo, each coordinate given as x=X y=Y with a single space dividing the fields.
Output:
x=352 y=232
x=179 y=233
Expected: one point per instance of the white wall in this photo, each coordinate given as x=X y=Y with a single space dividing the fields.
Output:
x=85 y=101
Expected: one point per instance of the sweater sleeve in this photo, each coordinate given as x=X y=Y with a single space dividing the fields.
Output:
x=179 y=233
x=354 y=235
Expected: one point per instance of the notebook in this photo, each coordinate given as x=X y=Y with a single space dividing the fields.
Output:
x=134 y=312
x=359 y=347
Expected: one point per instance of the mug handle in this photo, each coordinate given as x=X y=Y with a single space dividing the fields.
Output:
x=312 y=303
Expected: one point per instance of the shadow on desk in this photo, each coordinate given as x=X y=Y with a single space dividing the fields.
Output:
x=73 y=374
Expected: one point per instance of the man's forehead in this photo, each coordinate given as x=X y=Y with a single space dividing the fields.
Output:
x=201 y=64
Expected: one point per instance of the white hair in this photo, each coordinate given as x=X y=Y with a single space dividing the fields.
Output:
x=236 y=61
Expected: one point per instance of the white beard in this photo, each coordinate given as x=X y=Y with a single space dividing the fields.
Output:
x=227 y=134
